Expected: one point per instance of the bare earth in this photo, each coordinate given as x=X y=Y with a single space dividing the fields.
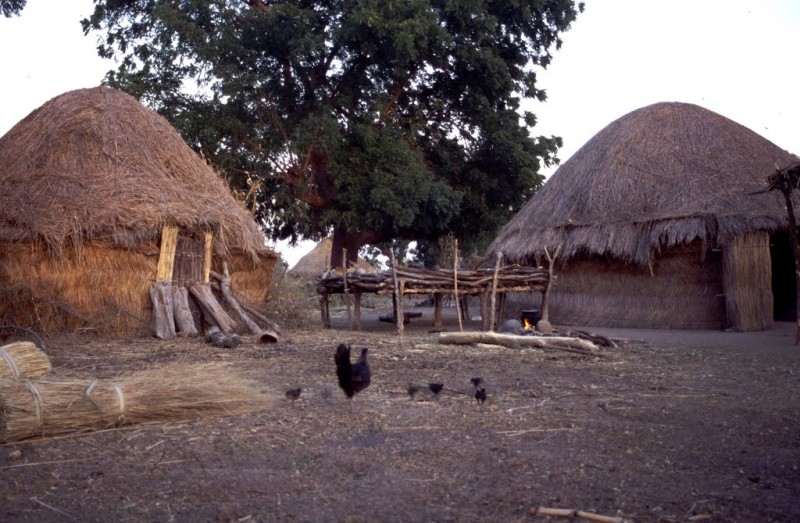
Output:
x=673 y=426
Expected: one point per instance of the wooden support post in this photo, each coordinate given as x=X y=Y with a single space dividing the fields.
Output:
x=438 y=298
x=484 y=299
x=346 y=295
x=494 y=290
x=455 y=284
x=401 y=315
x=325 y=311
x=398 y=308
x=208 y=251
x=357 y=311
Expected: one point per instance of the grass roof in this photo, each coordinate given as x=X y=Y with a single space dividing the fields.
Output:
x=95 y=164
x=663 y=175
x=313 y=264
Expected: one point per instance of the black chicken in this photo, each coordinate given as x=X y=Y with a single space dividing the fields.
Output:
x=353 y=377
x=436 y=388
x=480 y=395
x=293 y=394
x=476 y=382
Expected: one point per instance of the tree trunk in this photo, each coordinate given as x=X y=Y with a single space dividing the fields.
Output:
x=352 y=241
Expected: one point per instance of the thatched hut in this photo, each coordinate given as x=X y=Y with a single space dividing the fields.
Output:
x=656 y=226
x=312 y=265
x=89 y=182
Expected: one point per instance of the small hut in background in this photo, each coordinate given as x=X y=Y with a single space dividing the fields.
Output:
x=656 y=226
x=93 y=185
x=311 y=266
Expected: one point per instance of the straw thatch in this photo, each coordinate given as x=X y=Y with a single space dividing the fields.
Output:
x=95 y=164
x=23 y=360
x=88 y=181
x=667 y=176
x=172 y=393
x=315 y=263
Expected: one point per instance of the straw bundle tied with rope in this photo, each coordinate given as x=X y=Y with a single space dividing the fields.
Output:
x=23 y=360
x=173 y=393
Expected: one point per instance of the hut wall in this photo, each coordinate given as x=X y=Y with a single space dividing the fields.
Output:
x=250 y=279
x=747 y=281
x=683 y=292
x=94 y=287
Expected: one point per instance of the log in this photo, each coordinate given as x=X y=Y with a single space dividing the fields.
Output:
x=211 y=307
x=576 y=513
x=264 y=336
x=163 y=318
x=510 y=340
x=183 y=314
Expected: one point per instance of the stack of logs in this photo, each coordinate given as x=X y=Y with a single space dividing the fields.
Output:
x=478 y=282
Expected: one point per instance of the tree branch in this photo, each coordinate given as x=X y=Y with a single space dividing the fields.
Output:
x=261 y=6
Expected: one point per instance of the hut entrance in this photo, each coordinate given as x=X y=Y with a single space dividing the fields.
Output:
x=784 y=289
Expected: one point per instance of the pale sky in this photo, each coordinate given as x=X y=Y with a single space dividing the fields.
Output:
x=737 y=58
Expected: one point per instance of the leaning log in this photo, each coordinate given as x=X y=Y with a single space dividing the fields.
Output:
x=511 y=340
x=211 y=307
x=183 y=314
x=264 y=336
x=163 y=317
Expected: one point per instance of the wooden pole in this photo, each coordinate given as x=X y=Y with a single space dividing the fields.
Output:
x=346 y=296
x=546 y=298
x=398 y=313
x=494 y=290
x=455 y=283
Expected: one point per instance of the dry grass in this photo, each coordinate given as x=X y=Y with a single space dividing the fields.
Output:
x=660 y=176
x=23 y=360
x=175 y=392
x=117 y=172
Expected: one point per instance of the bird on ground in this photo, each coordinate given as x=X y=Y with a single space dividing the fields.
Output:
x=476 y=382
x=412 y=391
x=353 y=377
x=436 y=388
x=480 y=395
x=293 y=394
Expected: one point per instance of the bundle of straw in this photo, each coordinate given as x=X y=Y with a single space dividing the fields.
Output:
x=23 y=360
x=173 y=393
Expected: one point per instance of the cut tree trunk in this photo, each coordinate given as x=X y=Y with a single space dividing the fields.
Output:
x=163 y=318
x=183 y=314
x=212 y=310
x=227 y=294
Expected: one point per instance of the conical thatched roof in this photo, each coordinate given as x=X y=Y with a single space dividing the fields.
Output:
x=313 y=264
x=94 y=164
x=663 y=175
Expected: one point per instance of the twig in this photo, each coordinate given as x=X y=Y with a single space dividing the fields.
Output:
x=54 y=509
x=582 y=514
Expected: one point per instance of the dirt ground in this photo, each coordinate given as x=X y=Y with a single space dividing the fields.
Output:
x=672 y=426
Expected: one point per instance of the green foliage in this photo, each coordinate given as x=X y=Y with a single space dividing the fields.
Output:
x=9 y=8
x=390 y=119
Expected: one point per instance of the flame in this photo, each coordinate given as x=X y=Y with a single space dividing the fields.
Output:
x=526 y=324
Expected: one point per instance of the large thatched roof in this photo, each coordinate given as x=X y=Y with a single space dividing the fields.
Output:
x=94 y=164
x=663 y=175
x=313 y=264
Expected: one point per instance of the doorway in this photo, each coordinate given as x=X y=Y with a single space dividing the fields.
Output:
x=784 y=288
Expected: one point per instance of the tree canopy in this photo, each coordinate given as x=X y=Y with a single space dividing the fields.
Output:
x=374 y=119
x=9 y=8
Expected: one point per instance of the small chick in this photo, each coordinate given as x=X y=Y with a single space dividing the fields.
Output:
x=436 y=388
x=480 y=395
x=476 y=382
x=412 y=391
x=293 y=394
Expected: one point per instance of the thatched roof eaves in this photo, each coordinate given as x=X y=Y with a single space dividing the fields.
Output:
x=664 y=175
x=94 y=164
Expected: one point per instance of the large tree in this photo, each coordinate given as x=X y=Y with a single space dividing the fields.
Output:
x=376 y=119
x=9 y=8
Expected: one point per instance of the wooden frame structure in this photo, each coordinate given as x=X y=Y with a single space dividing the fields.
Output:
x=402 y=281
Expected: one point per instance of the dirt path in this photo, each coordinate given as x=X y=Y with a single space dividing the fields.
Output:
x=674 y=426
